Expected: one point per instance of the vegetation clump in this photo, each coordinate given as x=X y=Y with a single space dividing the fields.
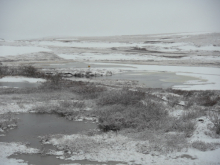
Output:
x=7 y=121
x=124 y=97
x=202 y=146
x=88 y=91
x=139 y=116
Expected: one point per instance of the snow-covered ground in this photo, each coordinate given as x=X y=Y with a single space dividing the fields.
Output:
x=129 y=57
x=172 y=47
x=7 y=149
x=87 y=44
x=121 y=148
x=110 y=57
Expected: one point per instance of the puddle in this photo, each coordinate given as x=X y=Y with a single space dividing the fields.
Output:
x=37 y=159
x=30 y=126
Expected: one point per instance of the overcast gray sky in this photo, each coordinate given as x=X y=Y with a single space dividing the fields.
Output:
x=41 y=18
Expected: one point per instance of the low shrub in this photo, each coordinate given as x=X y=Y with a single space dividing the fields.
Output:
x=124 y=97
x=88 y=91
x=139 y=116
x=161 y=142
x=140 y=49
x=172 y=100
x=215 y=119
x=4 y=70
x=57 y=109
x=7 y=121
x=29 y=71
x=78 y=144
x=202 y=146
x=72 y=104
x=188 y=115
x=178 y=125
x=209 y=101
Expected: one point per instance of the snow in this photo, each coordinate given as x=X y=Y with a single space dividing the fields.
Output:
x=172 y=47
x=21 y=79
x=7 y=149
x=193 y=47
x=89 y=44
x=112 y=56
x=181 y=34
x=120 y=148
x=201 y=128
x=17 y=50
x=66 y=39
x=201 y=58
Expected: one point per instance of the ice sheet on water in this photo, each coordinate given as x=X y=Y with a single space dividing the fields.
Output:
x=20 y=79
x=17 y=50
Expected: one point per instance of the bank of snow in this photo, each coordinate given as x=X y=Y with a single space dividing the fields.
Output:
x=7 y=149
x=112 y=147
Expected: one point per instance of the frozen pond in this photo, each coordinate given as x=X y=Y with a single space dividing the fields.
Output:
x=30 y=126
x=20 y=82
x=18 y=50
x=206 y=78
x=152 y=80
x=37 y=159
x=18 y=85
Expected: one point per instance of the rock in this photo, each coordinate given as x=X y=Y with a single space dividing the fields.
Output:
x=201 y=120
x=108 y=73
x=67 y=75
x=98 y=75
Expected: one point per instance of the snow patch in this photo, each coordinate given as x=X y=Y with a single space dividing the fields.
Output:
x=8 y=149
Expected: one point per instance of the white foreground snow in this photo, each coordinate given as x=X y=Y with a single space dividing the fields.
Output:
x=121 y=148
x=7 y=149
